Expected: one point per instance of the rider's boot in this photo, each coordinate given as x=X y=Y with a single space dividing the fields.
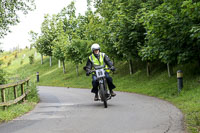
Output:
x=112 y=93
x=96 y=97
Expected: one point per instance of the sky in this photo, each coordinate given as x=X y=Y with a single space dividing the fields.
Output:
x=33 y=20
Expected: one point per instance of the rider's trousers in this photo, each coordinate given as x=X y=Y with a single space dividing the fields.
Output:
x=95 y=83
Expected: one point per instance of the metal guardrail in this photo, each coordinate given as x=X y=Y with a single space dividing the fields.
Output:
x=23 y=96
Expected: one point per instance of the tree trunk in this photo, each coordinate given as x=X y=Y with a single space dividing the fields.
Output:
x=50 y=59
x=41 y=58
x=64 y=71
x=148 y=69
x=170 y=70
x=131 y=66
x=77 y=70
x=58 y=63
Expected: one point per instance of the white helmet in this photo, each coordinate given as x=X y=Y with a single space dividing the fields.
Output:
x=95 y=46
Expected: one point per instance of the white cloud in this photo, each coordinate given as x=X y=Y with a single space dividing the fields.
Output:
x=19 y=35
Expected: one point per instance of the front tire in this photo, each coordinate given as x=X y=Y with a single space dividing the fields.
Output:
x=105 y=104
x=102 y=94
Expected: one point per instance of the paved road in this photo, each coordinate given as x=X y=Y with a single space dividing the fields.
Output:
x=67 y=110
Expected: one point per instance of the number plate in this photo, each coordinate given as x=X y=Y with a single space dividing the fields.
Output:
x=100 y=73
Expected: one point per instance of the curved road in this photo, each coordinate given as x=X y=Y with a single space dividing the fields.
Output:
x=67 y=110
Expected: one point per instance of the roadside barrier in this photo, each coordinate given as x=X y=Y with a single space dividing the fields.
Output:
x=5 y=99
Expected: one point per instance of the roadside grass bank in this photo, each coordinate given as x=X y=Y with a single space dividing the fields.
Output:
x=11 y=62
x=157 y=85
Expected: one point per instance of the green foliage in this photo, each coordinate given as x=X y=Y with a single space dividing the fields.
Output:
x=165 y=31
x=48 y=34
x=9 y=16
x=78 y=51
x=31 y=59
x=2 y=77
x=16 y=111
x=22 y=61
x=68 y=17
x=153 y=30
x=9 y=62
x=60 y=43
x=171 y=30
x=123 y=33
x=33 y=94
x=148 y=53
x=15 y=54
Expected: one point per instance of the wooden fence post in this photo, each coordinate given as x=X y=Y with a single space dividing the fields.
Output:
x=22 y=91
x=15 y=92
x=27 y=88
x=3 y=97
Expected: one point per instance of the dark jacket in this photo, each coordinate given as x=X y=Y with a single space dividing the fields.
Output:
x=107 y=61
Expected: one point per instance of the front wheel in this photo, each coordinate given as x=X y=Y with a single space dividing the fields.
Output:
x=102 y=94
x=105 y=104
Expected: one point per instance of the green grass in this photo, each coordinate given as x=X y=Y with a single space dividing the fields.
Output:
x=13 y=76
x=157 y=85
x=15 y=111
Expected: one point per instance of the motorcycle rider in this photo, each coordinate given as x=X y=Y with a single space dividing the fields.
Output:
x=98 y=58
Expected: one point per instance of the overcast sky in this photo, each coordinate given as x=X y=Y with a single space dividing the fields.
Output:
x=32 y=21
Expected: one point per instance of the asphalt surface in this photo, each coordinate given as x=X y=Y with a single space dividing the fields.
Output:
x=69 y=110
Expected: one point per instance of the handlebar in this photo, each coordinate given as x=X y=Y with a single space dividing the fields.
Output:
x=91 y=71
x=103 y=68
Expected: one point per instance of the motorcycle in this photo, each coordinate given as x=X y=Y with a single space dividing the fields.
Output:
x=102 y=89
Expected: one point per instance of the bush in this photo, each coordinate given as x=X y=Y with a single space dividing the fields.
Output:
x=31 y=59
x=9 y=63
x=15 y=54
x=22 y=61
x=33 y=94
x=2 y=79
x=1 y=62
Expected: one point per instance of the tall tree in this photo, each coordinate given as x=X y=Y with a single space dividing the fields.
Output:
x=9 y=10
x=48 y=30
x=60 y=44
x=126 y=34
x=77 y=51
x=37 y=42
x=68 y=17
x=170 y=31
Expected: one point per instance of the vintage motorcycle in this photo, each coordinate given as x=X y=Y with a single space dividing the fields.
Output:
x=102 y=89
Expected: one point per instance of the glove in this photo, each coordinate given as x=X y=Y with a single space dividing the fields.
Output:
x=88 y=73
x=112 y=68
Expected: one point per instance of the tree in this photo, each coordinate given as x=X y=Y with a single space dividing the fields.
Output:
x=77 y=51
x=37 y=41
x=148 y=54
x=9 y=10
x=125 y=33
x=60 y=44
x=48 y=35
x=170 y=30
x=67 y=15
